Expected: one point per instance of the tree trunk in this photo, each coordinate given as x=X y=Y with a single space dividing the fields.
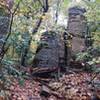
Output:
x=38 y=23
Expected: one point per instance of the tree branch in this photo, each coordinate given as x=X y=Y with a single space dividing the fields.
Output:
x=3 y=51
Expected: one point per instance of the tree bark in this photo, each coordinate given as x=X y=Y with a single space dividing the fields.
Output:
x=35 y=29
x=3 y=50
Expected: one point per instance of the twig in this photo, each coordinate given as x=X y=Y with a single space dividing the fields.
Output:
x=94 y=76
x=3 y=51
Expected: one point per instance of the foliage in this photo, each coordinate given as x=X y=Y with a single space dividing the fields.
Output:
x=93 y=11
x=21 y=44
x=23 y=24
x=2 y=12
x=24 y=19
x=91 y=58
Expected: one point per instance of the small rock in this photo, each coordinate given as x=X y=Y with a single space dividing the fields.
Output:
x=45 y=91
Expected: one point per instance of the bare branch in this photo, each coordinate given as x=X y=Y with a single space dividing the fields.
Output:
x=3 y=51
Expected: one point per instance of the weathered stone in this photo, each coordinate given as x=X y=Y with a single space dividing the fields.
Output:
x=4 y=24
x=78 y=45
x=76 y=11
x=48 y=56
x=45 y=91
x=76 y=21
x=77 y=27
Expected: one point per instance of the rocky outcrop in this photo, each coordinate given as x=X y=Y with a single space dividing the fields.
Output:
x=4 y=24
x=49 y=51
x=77 y=27
x=76 y=21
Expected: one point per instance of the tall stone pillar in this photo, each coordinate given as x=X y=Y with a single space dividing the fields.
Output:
x=77 y=28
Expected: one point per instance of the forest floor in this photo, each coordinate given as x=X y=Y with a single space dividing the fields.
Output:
x=75 y=84
x=72 y=86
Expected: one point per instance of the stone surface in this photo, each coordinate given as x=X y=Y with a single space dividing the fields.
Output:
x=76 y=21
x=77 y=27
x=78 y=45
x=50 y=52
x=4 y=25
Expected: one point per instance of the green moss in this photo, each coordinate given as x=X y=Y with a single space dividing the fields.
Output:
x=65 y=4
x=2 y=12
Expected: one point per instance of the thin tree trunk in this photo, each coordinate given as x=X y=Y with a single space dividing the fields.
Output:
x=3 y=50
x=38 y=23
x=24 y=54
